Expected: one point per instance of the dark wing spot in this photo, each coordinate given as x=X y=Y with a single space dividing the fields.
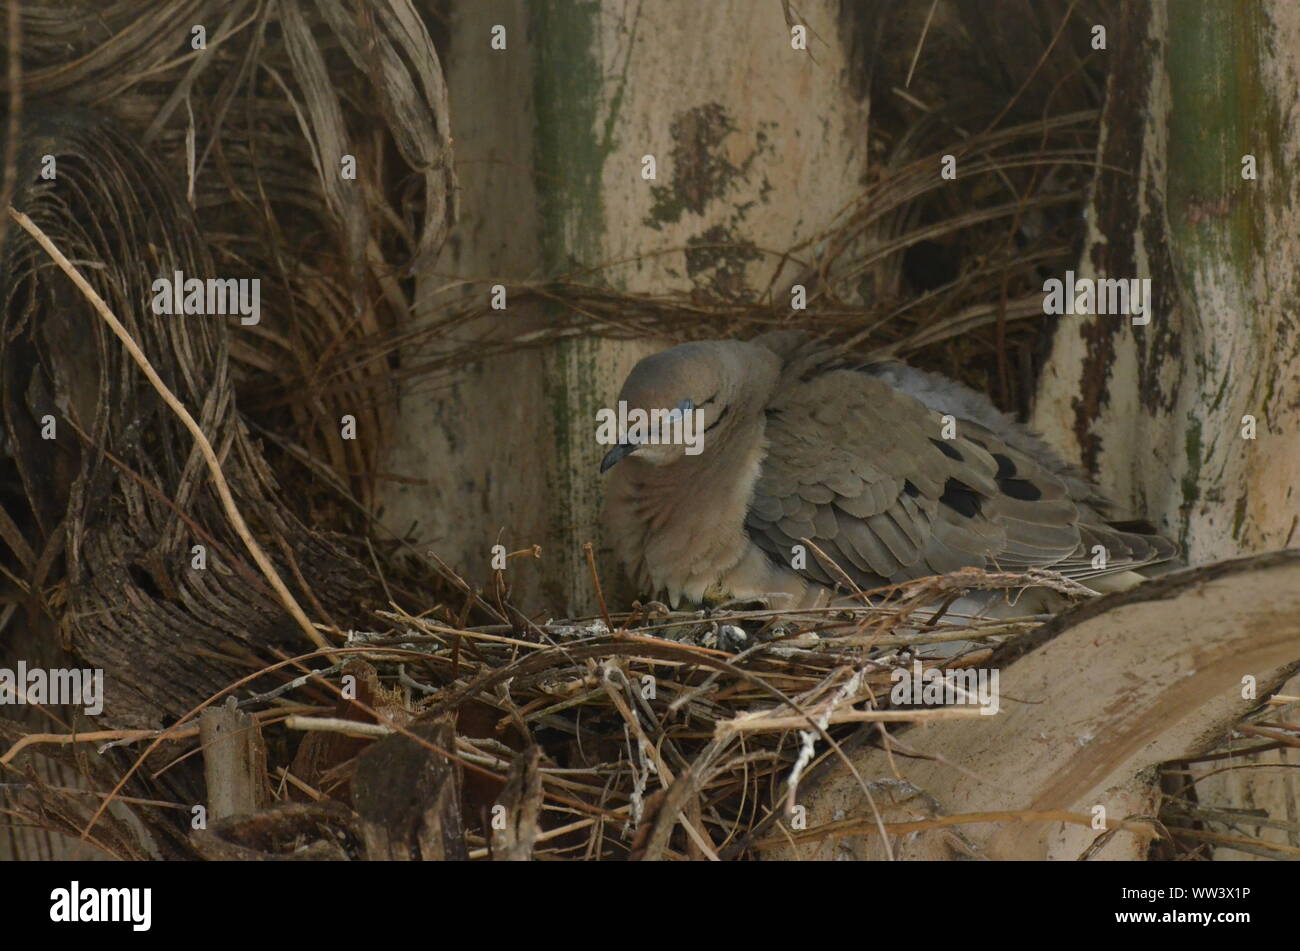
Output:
x=1021 y=489
x=948 y=450
x=910 y=489
x=1006 y=468
x=961 y=498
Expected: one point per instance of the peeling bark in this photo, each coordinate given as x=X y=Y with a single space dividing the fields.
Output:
x=1156 y=412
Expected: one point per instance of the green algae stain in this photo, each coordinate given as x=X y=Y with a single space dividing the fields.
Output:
x=1220 y=111
x=566 y=101
x=571 y=145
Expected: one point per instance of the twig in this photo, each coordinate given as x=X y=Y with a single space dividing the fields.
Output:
x=129 y=736
x=338 y=725
x=920 y=42
x=760 y=722
x=848 y=827
x=595 y=580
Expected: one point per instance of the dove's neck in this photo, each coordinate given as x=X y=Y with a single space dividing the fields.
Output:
x=681 y=527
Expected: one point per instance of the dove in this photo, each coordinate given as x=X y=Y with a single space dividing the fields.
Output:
x=813 y=471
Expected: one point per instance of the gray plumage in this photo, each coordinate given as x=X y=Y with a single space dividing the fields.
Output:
x=801 y=444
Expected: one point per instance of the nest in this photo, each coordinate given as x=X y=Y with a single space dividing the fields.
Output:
x=425 y=739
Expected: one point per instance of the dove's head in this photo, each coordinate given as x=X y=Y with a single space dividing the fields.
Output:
x=682 y=402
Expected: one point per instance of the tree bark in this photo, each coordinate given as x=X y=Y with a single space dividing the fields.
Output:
x=1156 y=412
x=1160 y=414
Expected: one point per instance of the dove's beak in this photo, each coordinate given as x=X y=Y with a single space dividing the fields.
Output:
x=615 y=455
